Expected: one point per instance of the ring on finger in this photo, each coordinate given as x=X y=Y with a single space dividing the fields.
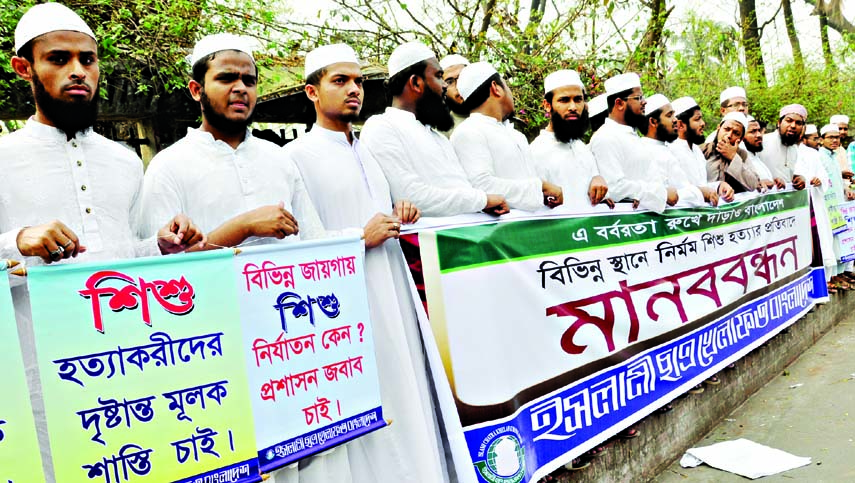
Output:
x=56 y=254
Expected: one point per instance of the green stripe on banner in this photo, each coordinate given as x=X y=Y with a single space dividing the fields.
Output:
x=480 y=245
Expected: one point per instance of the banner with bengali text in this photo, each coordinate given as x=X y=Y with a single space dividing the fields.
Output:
x=20 y=460
x=143 y=372
x=557 y=333
x=309 y=347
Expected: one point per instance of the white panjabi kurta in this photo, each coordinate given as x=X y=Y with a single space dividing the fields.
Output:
x=677 y=177
x=618 y=152
x=89 y=183
x=496 y=159
x=780 y=159
x=759 y=167
x=348 y=188
x=420 y=165
x=569 y=165
x=211 y=183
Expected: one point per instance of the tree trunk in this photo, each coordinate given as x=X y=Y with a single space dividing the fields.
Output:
x=833 y=11
x=826 y=46
x=751 y=43
x=538 y=8
x=645 y=56
x=798 y=60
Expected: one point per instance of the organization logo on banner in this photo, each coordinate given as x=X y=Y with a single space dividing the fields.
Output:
x=503 y=456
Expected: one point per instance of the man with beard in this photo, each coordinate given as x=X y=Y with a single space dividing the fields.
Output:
x=451 y=66
x=734 y=171
x=558 y=152
x=780 y=148
x=597 y=112
x=811 y=138
x=618 y=149
x=662 y=130
x=357 y=195
x=753 y=143
x=233 y=184
x=690 y=135
x=59 y=169
x=494 y=155
x=842 y=123
x=419 y=163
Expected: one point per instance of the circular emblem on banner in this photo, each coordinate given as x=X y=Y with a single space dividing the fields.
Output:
x=504 y=458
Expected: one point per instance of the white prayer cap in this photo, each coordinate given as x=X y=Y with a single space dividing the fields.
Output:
x=598 y=105
x=562 y=78
x=736 y=116
x=839 y=119
x=452 y=60
x=218 y=42
x=810 y=129
x=472 y=76
x=730 y=93
x=408 y=54
x=654 y=102
x=682 y=105
x=328 y=55
x=622 y=82
x=46 y=18
x=829 y=128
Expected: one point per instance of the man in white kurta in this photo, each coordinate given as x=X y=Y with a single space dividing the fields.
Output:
x=781 y=147
x=558 y=152
x=58 y=169
x=690 y=135
x=494 y=155
x=842 y=123
x=753 y=142
x=349 y=189
x=419 y=162
x=732 y=99
x=618 y=149
x=238 y=186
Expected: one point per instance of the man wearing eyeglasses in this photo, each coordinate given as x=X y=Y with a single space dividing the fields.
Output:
x=617 y=148
x=451 y=67
x=732 y=99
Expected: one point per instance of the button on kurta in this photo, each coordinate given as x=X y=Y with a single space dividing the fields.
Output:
x=79 y=162
x=83 y=188
x=88 y=210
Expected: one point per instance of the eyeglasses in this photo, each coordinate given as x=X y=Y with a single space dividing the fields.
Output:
x=640 y=98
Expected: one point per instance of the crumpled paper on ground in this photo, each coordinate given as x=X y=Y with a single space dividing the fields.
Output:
x=743 y=457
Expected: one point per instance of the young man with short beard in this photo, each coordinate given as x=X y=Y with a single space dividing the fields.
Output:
x=419 y=162
x=349 y=190
x=781 y=147
x=811 y=138
x=734 y=171
x=559 y=154
x=662 y=130
x=753 y=142
x=686 y=148
x=617 y=148
x=451 y=66
x=235 y=185
x=494 y=155
x=57 y=168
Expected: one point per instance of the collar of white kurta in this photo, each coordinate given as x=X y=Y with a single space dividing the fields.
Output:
x=204 y=137
x=407 y=116
x=654 y=142
x=50 y=133
x=621 y=127
x=335 y=136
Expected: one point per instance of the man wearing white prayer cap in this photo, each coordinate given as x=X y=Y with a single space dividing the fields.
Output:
x=597 y=111
x=419 y=162
x=842 y=123
x=617 y=148
x=559 y=154
x=734 y=171
x=837 y=192
x=451 y=66
x=732 y=99
x=349 y=190
x=661 y=131
x=780 y=147
x=60 y=169
x=235 y=185
x=494 y=155
x=753 y=144
x=811 y=138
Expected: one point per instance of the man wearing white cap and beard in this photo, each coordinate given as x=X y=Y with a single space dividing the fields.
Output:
x=494 y=155
x=451 y=66
x=781 y=147
x=59 y=169
x=617 y=148
x=419 y=163
x=235 y=185
x=753 y=143
x=842 y=123
x=559 y=153
x=349 y=189
x=811 y=137
x=735 y=171
x=662 y=130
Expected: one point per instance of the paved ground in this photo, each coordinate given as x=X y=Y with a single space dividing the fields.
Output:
x=816 y=419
